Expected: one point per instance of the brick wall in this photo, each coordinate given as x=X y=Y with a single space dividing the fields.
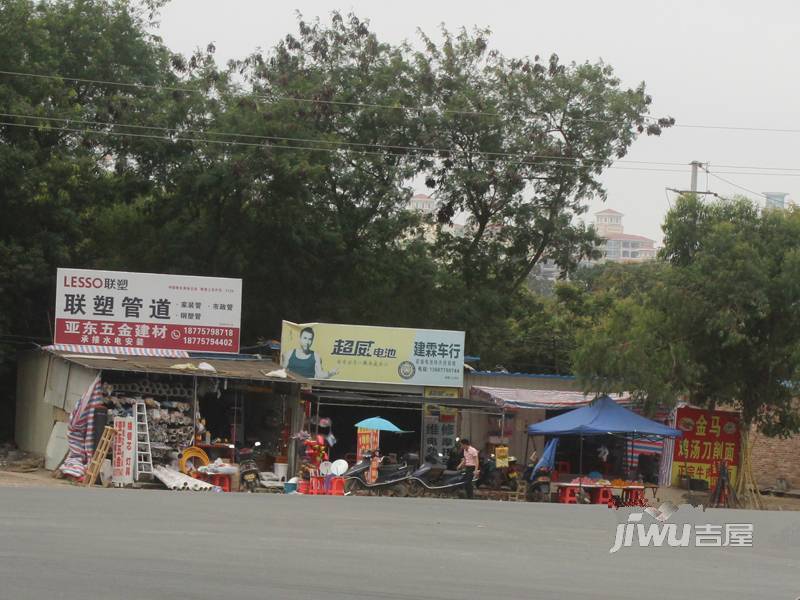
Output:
x=775 y=458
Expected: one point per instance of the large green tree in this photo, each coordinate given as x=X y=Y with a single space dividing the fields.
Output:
x=54 y=177
x=716 y=323
x=292 y=168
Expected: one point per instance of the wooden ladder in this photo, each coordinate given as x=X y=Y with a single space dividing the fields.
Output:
x=93 y=470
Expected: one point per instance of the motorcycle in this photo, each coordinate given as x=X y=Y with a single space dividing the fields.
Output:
x=496 y=478
x=538 y=484
x=248 y=468
x=391 y=478
x=434 y=477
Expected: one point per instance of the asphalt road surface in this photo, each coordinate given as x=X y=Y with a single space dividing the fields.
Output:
x=65 y=543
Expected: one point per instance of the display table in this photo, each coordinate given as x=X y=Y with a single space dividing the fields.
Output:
x=601 y=493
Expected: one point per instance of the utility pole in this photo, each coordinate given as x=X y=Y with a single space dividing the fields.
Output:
x=695 y=165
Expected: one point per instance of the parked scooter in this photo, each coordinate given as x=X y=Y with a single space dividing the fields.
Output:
x=248 y=468
x=498 y=479
x=433 y=477
x=391 y=478
x=538 y=484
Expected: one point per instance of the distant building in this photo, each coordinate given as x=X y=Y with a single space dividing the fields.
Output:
x=426 y=205
x=422 y=203
x=618 y=245
x=776 y=199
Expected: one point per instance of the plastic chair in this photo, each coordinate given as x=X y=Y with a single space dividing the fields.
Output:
x=567 y=495
x=633 y=496
x=602 y=496
x=337 y=486
x=317 y=487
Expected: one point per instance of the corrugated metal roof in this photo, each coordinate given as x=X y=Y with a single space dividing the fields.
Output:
x=547 y=399
x=252 y=369
x=531 y=375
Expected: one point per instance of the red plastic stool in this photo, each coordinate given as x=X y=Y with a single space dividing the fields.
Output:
x=337 y=486
x=218 y=479
x=633 y=496
x=317 y=487
x=302 y=487
x=567 y=495
x=602 y=496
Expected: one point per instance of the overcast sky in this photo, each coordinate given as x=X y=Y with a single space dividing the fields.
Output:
x=720 y=63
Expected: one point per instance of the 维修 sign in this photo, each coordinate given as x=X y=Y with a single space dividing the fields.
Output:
x=360 y=353
x=146 y=310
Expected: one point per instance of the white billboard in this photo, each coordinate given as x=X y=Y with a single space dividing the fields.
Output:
x=146 y=310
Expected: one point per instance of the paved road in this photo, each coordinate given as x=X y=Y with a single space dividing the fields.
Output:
x=73 y=543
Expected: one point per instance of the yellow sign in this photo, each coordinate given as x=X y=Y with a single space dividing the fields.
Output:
x=501 y=457
x=440 y=392
x=360 y=353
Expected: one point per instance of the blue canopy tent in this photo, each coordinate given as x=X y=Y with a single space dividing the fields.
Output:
x=601 y=417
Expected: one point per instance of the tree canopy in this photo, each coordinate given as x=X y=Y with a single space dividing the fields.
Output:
x=715 y=321
x=292 y=168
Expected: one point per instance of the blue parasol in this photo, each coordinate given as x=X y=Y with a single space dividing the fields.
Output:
x=379 y=424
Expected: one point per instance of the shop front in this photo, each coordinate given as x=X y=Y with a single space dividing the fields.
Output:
x=223 y=407
x=410 y=377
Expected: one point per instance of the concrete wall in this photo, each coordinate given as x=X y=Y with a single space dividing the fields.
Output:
x=34 y=416
x=48 y=388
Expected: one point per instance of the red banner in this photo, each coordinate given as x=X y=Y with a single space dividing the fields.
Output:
x=709 y=437
x=367 y=440
x=146 y=335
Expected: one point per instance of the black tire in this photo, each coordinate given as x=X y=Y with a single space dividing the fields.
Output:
x=352 y=486
x=415 y=489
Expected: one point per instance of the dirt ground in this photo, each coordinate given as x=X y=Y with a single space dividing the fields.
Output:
x=679 y=496
x=40 y=478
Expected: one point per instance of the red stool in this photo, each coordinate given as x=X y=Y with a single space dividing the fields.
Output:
x=567 y=495
x=302 y=487
x=337 y=486
x=602 y=496
x=633 y=496
x=218 y=479
x=317 y=487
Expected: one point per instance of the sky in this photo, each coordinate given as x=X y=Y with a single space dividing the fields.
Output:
x=709 y=63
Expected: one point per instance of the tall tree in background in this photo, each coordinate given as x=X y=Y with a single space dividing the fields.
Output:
x=524 y=142
x=717 y=324
x=292 y=169
x=53 y=175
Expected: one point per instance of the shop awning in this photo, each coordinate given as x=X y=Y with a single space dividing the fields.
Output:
x=543 y=399
x=365 y=398
x=247 y=368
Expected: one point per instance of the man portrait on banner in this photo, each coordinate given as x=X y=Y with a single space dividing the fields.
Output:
x=304 y=361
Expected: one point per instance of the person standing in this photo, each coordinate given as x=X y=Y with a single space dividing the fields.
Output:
x=470 y=464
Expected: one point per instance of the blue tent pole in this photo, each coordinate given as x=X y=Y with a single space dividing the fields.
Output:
x=580 y=470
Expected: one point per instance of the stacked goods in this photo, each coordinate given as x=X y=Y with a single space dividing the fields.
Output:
x=169 y=413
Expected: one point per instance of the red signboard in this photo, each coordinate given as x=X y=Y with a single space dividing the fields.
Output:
x=709 y=437
x=145 y=310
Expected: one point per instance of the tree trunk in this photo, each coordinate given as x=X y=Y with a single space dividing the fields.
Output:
x=747 y=492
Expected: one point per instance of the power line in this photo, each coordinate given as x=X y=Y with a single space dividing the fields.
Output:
x=736 y=185
x=278 y=147
x=775 y=171
x=278 y=98
x=337 y=142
